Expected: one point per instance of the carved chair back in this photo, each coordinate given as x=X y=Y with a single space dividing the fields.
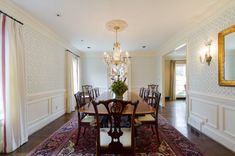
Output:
x=115 y=109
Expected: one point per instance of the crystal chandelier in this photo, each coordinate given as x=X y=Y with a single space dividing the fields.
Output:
x=117 y=60
x=117 y=57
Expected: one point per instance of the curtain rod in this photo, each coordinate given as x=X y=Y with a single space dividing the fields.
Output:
x=72 y=53
x=11 y=17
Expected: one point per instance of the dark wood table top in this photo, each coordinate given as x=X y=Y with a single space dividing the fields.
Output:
x=142 y=108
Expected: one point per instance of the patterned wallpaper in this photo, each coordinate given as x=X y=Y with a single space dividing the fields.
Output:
x=45 y=62
x=204 y=78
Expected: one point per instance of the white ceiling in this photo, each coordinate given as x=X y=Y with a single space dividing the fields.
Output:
x=150 y=22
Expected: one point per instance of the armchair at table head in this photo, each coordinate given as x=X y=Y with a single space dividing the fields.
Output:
x=115 y=139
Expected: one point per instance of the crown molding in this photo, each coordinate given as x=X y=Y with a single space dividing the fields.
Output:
x=12 y=9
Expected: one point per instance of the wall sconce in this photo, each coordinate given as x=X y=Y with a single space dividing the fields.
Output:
x=206 y=55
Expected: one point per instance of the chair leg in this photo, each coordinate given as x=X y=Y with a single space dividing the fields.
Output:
x=156 y=127
x=135 y=131
x=78 y=134
x=152 y=129
x=84 y=130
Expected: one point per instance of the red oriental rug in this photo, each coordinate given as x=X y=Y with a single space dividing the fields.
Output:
x=61 y=142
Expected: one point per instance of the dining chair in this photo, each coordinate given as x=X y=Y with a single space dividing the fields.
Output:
x=84 y=120
x=115 y=139
x=85 y=94
x=151 y=119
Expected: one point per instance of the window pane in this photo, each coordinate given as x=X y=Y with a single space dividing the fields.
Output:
x=75 y=75
x=180 y=74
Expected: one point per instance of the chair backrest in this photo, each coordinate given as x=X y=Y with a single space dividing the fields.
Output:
x=91 y=94
x=141 y=92
x=153 y=87
x=97 y=92
x=86 y=88
x=146 y=94
x=154 y=100
x=115 y=109
x=79 y=104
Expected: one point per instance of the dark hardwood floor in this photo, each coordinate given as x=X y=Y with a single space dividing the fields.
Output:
x=174 y=112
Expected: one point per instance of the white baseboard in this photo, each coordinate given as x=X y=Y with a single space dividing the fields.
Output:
x=219 y=137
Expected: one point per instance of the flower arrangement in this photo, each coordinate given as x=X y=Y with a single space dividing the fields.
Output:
x=119 y=87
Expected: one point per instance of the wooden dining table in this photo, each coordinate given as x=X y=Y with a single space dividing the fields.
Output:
x=142 y=108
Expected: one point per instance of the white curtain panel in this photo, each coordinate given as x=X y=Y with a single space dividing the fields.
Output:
x=13 y=78
x=70 y=84
x=1 y=89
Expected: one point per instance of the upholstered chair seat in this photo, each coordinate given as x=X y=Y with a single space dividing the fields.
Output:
x=147 y=117
x=125 y=139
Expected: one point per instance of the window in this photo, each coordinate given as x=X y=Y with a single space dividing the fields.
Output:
x=76 y=74
x=180 y=79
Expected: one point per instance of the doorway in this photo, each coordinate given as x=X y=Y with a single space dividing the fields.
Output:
x=175 y=87
x=175 y=74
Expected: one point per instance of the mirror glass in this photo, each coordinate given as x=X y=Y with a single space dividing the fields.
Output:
x=226 y=53
x=229 y=56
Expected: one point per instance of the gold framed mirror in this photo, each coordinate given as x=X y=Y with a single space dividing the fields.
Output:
x=226 y=54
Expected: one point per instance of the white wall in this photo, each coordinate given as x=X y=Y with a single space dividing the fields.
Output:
x=143 y=70
x=45 y=69
x=211 y=107
x=94 y=72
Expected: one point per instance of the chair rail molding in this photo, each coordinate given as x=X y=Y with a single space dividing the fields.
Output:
x=46 y=94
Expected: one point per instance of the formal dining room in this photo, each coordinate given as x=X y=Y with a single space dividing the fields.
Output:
x=117 y=77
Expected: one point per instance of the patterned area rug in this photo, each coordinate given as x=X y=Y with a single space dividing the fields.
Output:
x=62 y=142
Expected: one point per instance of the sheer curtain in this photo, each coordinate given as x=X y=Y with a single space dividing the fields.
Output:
x=12 y=96
x=73 y=80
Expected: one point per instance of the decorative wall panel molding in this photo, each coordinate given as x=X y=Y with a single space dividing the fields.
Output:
x=228 y=116
x=44 y=108
x=214 y=116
